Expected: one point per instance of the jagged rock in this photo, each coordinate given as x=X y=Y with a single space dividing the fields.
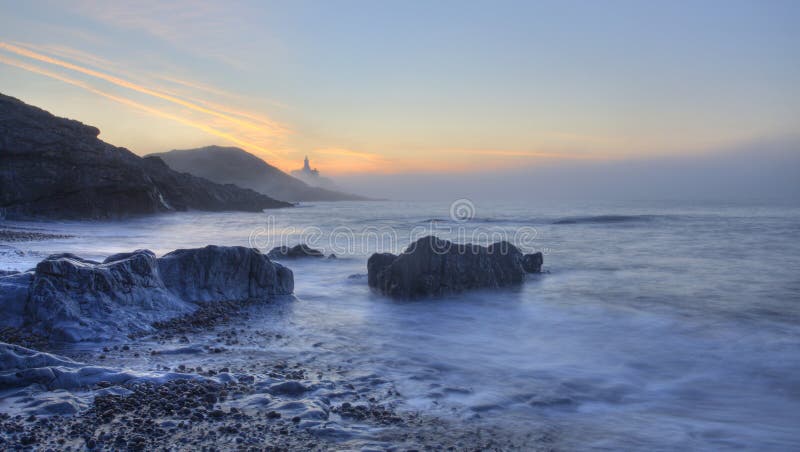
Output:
x=433 y=267
x=302 y=250
x=57 y=168
x=76 y=299
x=224 y=273
x=532 y=263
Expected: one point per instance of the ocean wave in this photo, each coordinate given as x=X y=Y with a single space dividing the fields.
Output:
x=606 y=219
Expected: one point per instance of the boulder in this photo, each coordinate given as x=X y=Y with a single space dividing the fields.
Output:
x=218 y=273
x=286 y=252
x=532 y=263
x=74 y=299
x=434 y=267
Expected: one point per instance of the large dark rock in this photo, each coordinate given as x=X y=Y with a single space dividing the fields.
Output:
x=224 y=273
x=74 y=299
x=57 y=168
x=434 y=267
x=287 y=252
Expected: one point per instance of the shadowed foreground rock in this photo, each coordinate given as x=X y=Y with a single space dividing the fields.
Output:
x=434 y=267
x=74 y=299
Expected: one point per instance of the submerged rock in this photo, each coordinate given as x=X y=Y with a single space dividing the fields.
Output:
x=302 y=250
x=74 y=299
x=216 y=273
x=433 y=267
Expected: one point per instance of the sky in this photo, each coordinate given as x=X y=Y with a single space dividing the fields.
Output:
x=395 y=88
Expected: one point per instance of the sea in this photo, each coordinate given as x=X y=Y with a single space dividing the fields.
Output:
x=653 y=326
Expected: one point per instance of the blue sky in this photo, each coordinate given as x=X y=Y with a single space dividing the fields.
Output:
x=414 y=86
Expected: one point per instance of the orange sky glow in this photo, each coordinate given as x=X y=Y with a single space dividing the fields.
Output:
x=231 y=125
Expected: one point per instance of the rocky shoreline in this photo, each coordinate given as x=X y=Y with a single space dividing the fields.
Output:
x=198 y=366
x=224 y=403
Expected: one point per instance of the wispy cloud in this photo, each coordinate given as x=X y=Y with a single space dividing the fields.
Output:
x=192 y=89
x=182 y=24
x=263 y=126
x=131 y=103
x=255 y=132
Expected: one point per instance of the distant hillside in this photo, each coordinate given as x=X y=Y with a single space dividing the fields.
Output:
x=234 y=165
x=53 y=167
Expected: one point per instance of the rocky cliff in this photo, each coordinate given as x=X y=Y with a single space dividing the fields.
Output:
x=53 y=167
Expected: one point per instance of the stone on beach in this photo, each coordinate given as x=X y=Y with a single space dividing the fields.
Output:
x=434 y=267
x=74 y=299
x=218 y=273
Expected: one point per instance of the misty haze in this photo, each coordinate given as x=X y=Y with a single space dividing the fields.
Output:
x=400 y=226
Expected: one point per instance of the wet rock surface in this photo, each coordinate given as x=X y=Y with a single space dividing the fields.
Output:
x=73 y=299
x=224 y=273
x=434 y=267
